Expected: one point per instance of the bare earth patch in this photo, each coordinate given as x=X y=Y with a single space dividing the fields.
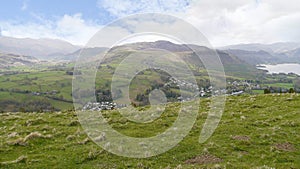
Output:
x=204 y=159
x=241 y=138
x=21 y=159
x=285 y=146
x=244 y=152
x=31 y=136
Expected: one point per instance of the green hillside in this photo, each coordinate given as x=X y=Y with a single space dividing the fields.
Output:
x=256 y=131
x=48 y=86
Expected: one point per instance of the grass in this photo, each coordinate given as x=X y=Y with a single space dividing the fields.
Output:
x=258 y=91
x=261 y=121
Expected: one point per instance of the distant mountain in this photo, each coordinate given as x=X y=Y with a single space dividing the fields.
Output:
x=45 y=49
x=232 y=64
x=291 y=56
x=270 y=48
x=86 y=52
x=10 y=60
x=255 y=57
x=284 y=46
x=282 y=52
x=161 y=44
x=180 y=49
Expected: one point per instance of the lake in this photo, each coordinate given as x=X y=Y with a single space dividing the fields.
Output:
x=281 y=68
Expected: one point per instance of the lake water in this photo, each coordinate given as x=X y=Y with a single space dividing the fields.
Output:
x=281 y=68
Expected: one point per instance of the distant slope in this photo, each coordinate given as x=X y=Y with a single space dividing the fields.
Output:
x=233 y=65
x=40 y=48
x=291 y=56
x=271 y=48
x=180 y=49
x=87 y=52
x=9 y=60
x=254 y=57
x=282 y=52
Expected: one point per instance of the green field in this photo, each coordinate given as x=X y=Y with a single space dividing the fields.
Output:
x=282 y=85
x=258 y=91
x=19 y=88
x=256 y=131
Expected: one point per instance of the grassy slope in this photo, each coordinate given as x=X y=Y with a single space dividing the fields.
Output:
x=265 y=119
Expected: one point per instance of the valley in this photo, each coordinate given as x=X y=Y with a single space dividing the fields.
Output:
x=47 y=85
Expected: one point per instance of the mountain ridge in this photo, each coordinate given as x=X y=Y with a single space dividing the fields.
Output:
x=58 y=50
x=39 y=48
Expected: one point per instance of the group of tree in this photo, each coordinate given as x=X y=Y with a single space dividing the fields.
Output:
x=278 y=90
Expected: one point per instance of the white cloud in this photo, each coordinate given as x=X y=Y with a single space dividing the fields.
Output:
x=147 y=28
x=221 y=21
x=121 y=8
x=224 y=22
x=146 y=38
x=108 y=36
x=243 y=21
x=75 y=29
x=70 y=28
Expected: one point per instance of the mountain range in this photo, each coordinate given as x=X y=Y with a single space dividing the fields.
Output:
x=44 y=49
x=58 y=50
x=281 y=52
x=279 y=47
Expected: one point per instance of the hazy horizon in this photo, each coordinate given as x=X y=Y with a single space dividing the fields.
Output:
x=151 y=40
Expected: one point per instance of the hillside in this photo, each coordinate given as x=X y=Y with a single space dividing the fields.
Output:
x=233 y=65
x=291 y=56
x=258 y=131
x=45 y=49
x=281 y=52
x=278 y=47
x=255 y=57
x=88 y=52
x=49 y=87
x=182 y=50
x=12 y=60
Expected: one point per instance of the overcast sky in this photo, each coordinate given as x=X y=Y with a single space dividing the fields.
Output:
x=223 y=22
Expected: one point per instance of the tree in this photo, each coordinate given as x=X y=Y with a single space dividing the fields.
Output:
x=291 y=90
x=267 y=91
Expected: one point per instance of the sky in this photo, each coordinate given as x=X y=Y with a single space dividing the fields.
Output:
x=223 y=22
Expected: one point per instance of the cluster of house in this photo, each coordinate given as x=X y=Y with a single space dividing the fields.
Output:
x=240 y=87
x=202 y=92
x=237 y=88
x=245 y=84
x=182 y=84
x=53 y=92
x=99 y=106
